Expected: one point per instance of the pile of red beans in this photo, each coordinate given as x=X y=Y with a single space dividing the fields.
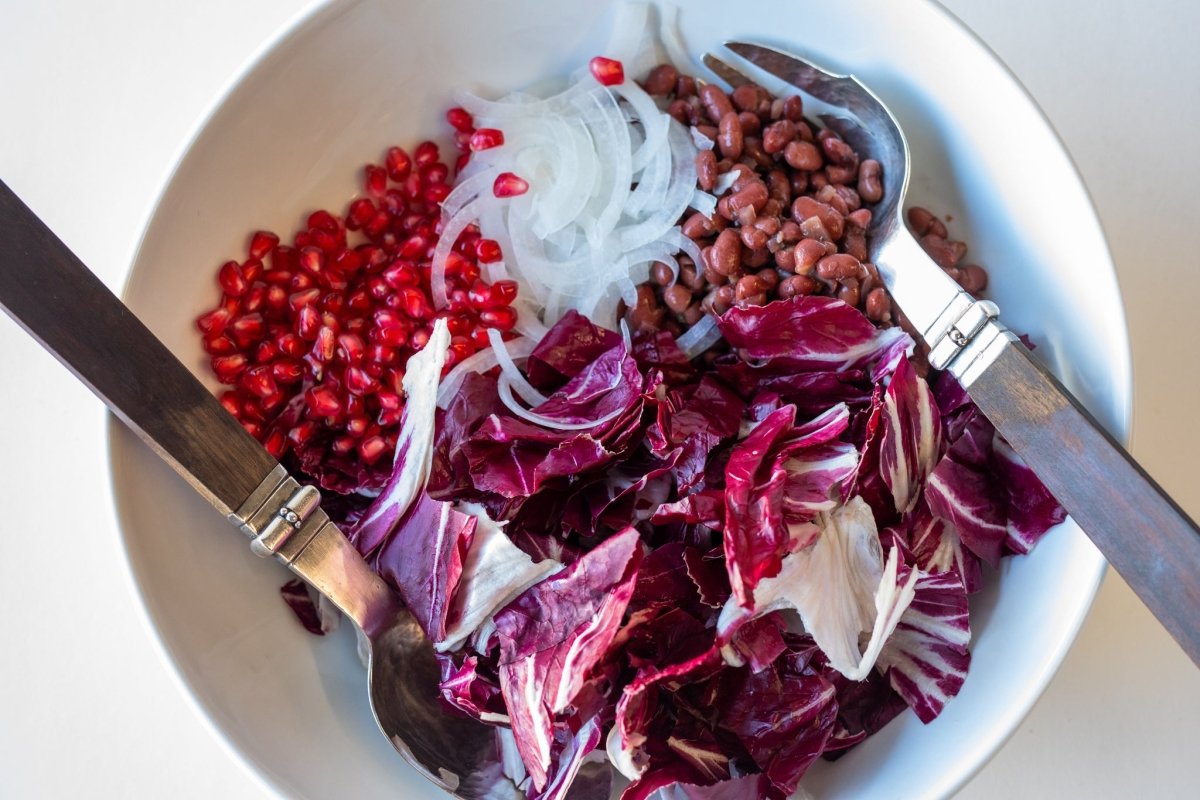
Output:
x=792 y=221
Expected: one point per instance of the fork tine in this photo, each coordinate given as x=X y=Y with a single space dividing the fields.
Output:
x=726 y=72
x=799 y=72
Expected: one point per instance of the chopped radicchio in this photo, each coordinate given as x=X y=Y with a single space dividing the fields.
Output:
x=633 y=560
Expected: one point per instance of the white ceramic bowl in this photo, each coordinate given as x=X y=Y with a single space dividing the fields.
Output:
x=354 y=78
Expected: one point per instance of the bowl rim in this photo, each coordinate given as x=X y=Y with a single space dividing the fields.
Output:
x=313 y=11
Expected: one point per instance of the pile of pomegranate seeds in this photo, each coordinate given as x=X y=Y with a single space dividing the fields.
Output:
x=313 y=336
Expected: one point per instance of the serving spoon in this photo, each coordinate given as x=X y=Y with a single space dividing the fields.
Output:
x=1142 y=532
x=62 y=304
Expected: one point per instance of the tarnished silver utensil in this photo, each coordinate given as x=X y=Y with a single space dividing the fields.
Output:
x=1148 y=539
x=54 y=297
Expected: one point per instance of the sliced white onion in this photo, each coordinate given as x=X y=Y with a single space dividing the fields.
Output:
x=704 y=202
x=701 y=141
x=725 y=182
x=701 y=336
x=480 y=361
x=452 y=228
x=672 y=39
x=506 y=396
x=509 y=368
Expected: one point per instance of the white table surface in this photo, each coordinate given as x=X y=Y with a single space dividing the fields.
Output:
x=96 y=102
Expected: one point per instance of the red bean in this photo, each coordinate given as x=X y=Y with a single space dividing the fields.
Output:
x=802 y=155
x=661 y=80
x=729 y=137
x=716 y=102
x=727 y=252
x=706 y=170
x=870 y=181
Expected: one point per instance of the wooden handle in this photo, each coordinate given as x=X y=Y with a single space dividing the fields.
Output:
x=58 y=300
x=1147 y=538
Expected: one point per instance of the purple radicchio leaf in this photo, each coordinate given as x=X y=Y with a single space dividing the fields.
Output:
x=553 y=634
x=414 y=446
x=570 y=345
x=912 y=433
x=672 y=784
x=465 y=688
x=926 y=658
x=423 y=560
x=771 y=485
x=316 y=618
x=813 y=334
x=936 y=548
x=962 y=491
x=1032 y=510
x=784 y=720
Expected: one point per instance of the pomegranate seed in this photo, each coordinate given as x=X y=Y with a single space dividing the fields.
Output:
x=343 y=445
x=399 y=165
x=308 y=323
x=258 y=381
x=509 y=184
x=213 y=323
x=277 y=298
x=232 y=403
x=323 y=401
x=313 y=260
x=480 y=339
x=272 y=402
x=252 y=270
x=276 y=443
x=254 y=299
x=289 y=344
x=278 y=277
x=503 y=293
x=416 y=304
x=350 y=348
x=414 y=248
x=265 y=352
x=323 y=220
x=435 y=173
x=252 y=428
x=418 y=339
x=284 y=258
x=393 y=380
x=488 y=251
x=372 y=449
x=308 y=297
x=378 y=223
x=502 y=319
x=375 y=180
x=326 y=241
x=426 y=153
x=486 y=139
x=355 y=406
x=247 y=330
x=359 y=382
x=480 y=294
x=462 y=141
x=348 y=261
x=389 y=416
x=302 y=240
x=607 y=71
x=333 y=303
x=325 y=344
x=231 y=279
x=357 y=426
x=381 y=354
x=389 y=401
x=461 y=162
x=219 y=345
x=460 y=119
x=458 y=300
x=301 y=281
x=459 y=325
x=401 y=274
x=287 y=370
x=252 y=410
x=361 y=211
x=458 y=350
x=436 y=193
x=261 y=243
x=302 y=433
x=229 y=368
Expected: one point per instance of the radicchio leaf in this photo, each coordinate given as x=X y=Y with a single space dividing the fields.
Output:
x=463 y=687
x=570 y=345
x=912 y=434
x=414 y=445
x=423 y=559
x=926 y=658
x=494 y=573
x=770 y=485
x=813 y=334
x=666 y=784
x=316 y=618
x=841 y=588
x=1032 y=510
x=784 y=720
x=961 y=491
x=936 y=548
x=553 y=634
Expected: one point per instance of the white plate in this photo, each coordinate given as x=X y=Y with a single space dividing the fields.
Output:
x=355 y=78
